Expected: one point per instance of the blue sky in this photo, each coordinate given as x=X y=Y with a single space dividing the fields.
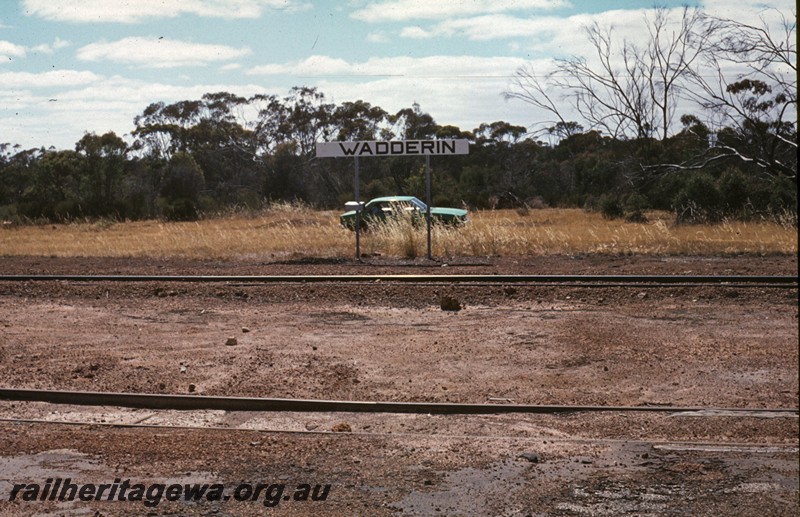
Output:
x=74 y=66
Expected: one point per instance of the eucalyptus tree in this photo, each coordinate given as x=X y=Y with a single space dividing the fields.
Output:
x=305 y=119
x=224 y=147
x=53 y=190
x=163 y=129
x=359 y=120
x=747 y=87
x=102 y=172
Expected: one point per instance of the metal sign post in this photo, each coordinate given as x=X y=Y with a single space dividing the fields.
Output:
x=392 y=148
x=428 y=199
x=358 y=212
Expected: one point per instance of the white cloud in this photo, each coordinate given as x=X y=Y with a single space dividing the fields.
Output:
x=31 y=119
x=430 y=66
x=403 y=10
x=152 y=52
x=543 y=29
x=9 y=50
x=377 y=37
x=733 y=10
x=460 y=90
x=462 y=103
x=482 y=27
x=45 y=48
x=53 y=78
x=313 y=65
x=133 y=11
x=417 y=32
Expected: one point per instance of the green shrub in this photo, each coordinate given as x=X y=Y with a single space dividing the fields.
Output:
x=699 y=201
x=610 y=206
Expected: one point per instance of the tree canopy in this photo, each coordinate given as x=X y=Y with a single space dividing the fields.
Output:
x=668 y=125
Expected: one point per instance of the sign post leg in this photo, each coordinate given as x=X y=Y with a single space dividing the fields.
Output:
x=428 y=199
x=358 y=213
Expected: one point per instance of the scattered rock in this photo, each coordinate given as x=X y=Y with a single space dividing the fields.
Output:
x=449 y=303
x=245 y=330
x=530 y=456
x=232 y=341
x=192 y=388
x=342 y=427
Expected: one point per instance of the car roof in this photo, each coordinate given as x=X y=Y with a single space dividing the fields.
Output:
x=391 y=198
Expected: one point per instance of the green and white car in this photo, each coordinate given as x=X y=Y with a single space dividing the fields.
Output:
x=381 y=209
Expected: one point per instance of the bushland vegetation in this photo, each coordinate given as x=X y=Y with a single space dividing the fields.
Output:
x=732 y=156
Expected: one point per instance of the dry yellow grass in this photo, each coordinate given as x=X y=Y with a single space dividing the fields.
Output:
x=292 y=231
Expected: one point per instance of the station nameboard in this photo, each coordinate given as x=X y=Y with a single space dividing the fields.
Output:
x=392 y=148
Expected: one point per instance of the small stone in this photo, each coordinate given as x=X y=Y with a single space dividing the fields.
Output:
x=531 y=456
x=192 y=388
x=245 y=330
x=232 y=341
x=449 y=303
x=342 y=427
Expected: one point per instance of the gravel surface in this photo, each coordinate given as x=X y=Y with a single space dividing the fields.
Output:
x=715 y=347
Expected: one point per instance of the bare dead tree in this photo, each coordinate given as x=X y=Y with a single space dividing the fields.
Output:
x=628 y=90
x=671 y=54
x=529 y=87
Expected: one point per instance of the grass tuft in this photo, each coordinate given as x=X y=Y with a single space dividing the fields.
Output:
x=291 y=230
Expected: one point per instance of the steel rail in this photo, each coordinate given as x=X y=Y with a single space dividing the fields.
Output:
x=752 y=447
x=739 y=280
x=201 y=402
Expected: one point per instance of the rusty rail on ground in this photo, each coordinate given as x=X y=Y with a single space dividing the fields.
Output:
x=203 y=402
x=588 y=280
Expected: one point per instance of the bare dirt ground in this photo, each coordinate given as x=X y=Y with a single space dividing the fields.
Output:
x=720 y=347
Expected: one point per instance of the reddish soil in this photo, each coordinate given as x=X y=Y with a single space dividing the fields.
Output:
x=715 y=347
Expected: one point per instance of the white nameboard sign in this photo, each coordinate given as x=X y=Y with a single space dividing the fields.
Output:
x=392 y=148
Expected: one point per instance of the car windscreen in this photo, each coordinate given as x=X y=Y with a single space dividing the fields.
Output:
x=422 y=207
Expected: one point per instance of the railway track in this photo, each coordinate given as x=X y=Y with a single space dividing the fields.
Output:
x=393 y=457
x=200 y=402
x=778 y=281
x=718 y=446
